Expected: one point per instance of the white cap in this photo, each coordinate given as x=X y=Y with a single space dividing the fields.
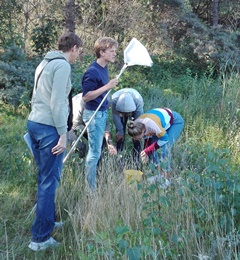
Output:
x=125 y=103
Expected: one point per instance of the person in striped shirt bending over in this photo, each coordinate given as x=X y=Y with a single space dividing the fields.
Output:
x=160 y=127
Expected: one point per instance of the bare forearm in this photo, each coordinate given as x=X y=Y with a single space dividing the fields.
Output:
x=111 y=148
x=95 y=93
x=107 y=136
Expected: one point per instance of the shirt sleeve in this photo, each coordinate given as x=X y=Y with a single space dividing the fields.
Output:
x=108 y=128
x=139 y=108
x=138 y=100
x=117 y=120
x=61 y=78
x=89 y=81
x=154 y=146
x=163 y=140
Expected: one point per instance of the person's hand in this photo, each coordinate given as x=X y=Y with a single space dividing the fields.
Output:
x=119 y=138
x=112 y=149
x=144 y=157
x=112 y=83
x=61 y=145
x=72 y=135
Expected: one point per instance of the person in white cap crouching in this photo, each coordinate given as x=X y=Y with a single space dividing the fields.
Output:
x=127 y=104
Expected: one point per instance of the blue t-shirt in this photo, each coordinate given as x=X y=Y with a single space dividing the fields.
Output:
x=94 y=78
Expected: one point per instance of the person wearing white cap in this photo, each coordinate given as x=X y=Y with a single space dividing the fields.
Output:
x=127 y=104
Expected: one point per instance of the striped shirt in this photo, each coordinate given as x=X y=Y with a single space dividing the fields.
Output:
x=157 y=121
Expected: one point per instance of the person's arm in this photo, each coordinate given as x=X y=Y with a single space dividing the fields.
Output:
x=92 y=94
x=108 y=138
x=58 y=107
x=147 y=142
x=154 y=146
x=111 y=148
x=117 y=122
x=61 y=145
x=139 y=108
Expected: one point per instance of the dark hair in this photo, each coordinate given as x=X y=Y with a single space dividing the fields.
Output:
x=104 y=43
x=135 y=128
x=68 y=40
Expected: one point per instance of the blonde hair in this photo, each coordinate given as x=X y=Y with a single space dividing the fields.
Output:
x=135 y=128
x=104 y=43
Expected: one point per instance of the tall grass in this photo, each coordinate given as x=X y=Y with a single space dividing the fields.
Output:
x=196 y=218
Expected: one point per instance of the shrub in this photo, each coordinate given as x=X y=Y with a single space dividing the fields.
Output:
x=44 y=36
x=16 y=76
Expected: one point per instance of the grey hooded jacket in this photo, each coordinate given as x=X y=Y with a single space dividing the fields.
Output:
x=137 y=105
x=50 y=98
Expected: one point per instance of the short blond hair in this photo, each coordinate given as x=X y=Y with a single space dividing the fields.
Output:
x=104 y=43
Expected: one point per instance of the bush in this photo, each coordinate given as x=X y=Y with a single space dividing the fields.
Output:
x=16 y=76
x=44 y=36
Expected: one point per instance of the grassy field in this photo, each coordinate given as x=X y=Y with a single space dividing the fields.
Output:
x=196 y=218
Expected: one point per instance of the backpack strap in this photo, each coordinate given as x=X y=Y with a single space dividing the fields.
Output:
x=40 y=74
x=43 y=69
x=70 y=116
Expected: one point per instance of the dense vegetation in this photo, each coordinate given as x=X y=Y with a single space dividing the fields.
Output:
x=195 y=72
x=182 y=35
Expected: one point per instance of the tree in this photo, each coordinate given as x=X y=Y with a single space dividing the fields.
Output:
x=70 y=15
x=10 y=10
x=44 y=36
x=215 y=13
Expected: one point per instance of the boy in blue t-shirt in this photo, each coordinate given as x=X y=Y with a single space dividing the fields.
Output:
x=95 y=84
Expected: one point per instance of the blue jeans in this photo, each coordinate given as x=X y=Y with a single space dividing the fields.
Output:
x=44 y=138
x=173 y=133
x=95 y=132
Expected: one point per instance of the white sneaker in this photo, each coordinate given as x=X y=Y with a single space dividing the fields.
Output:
x=159 y=179
x=167 y=182
x=51 y=242
x=58 y=225
x=165 y=185
x=156 y=178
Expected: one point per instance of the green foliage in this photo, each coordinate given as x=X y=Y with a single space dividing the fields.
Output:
x=199 y=210
x=133 y=78
x=78 y=69
x=194 y=73
x=9 y=12
x=44 y=36
x=201 y=47
x=228 y=12
x=226 y=53
x=215 y=176
x=14 y=154
x=16 y=76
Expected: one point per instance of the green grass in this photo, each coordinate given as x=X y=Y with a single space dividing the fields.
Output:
x=197 y=217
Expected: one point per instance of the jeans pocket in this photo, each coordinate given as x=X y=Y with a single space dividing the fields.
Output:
x=100 y=114
x=87 y=114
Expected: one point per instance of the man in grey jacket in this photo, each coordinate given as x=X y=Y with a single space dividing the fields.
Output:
x=47 y=128
x=127 y=104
